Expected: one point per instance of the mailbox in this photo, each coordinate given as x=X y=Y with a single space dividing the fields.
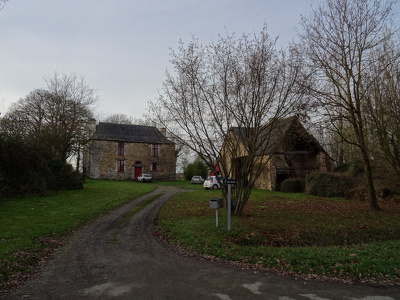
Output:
x=216 y=203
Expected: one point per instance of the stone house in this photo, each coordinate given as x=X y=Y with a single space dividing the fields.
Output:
x=286 y=150
x=124 y=152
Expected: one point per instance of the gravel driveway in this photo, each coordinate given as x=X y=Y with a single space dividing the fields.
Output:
x=107 y=261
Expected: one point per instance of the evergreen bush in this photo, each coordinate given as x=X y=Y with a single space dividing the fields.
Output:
x=292 y=185
x=328 y=184
x=356 y=168
x=197 y=168
x=25 y=169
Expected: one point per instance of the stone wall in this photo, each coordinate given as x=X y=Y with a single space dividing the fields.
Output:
x=324 y=162
x=103 y=157
x=266 y=178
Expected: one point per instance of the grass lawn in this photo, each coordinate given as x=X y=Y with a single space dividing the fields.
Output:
x=32 y=227
x=292 y=233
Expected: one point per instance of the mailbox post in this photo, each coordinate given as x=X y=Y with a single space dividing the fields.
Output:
x=215 y=204
x=229 y=182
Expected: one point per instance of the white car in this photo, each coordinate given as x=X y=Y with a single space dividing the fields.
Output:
x=211 y=183
x=197 y=179
x=144 y=178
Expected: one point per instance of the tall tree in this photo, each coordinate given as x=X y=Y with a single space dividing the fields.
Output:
x=337 y=40
x=236 y=82
x=54 y=118
x=119 y=119
x=2 y=4
x=383 y=105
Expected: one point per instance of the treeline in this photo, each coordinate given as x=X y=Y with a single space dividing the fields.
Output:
x=26 y=169
x=40 y=133
x=342 y=75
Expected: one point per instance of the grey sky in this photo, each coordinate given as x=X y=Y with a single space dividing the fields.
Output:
x=121 y=46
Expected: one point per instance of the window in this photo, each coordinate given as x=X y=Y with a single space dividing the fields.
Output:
x=121 y=150
x=154 y=150
x=154 y=166
x=120 y=166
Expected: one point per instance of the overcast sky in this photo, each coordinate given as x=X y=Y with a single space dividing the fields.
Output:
x=121 y=47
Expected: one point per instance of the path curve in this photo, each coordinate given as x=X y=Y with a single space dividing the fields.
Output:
x=107 y=261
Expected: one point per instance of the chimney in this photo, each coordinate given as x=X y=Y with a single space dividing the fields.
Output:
x=164 y=131
x=91 y=127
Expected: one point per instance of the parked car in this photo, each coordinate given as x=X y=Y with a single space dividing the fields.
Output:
x=197 y=179
x=211 y=183
x=144 y=178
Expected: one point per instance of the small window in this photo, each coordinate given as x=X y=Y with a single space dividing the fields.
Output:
x=154 y=166
x=154 y=150
x=121 y=150
x=120 y=166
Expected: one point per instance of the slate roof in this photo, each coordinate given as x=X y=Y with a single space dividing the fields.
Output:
x=129 y=133
x=275 y=132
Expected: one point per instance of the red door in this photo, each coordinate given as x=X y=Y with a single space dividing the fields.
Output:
x=138 y=172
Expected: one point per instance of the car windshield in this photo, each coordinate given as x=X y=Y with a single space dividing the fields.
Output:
x=210 y=178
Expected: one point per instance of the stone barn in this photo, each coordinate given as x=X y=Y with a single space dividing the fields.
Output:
x=124 y=152
x=287 y=150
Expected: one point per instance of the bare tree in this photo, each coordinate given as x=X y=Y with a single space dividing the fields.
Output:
x=235 y=83
x=125 y=119
x=119 y=119
x=383 y=106
x=337 y=40
x=54 y=118
x=2 y=4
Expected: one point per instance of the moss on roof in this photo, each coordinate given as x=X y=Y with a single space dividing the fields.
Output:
x=129 y=133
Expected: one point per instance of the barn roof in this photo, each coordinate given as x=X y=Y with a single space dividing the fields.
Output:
x=129 y=133
x=274 y=133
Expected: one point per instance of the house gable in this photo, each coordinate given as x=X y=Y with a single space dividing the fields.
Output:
x=123 y=152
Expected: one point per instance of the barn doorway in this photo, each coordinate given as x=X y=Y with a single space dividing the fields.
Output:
x=279 y=179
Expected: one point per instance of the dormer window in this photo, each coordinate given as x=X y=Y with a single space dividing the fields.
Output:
x=121 y=149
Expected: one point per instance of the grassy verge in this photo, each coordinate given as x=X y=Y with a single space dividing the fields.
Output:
x=182 y=184
x=292 y=233
x=136 y=209
x=32 y=227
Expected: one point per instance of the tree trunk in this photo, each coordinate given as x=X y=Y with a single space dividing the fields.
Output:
x=78 y=160
x=371 y=193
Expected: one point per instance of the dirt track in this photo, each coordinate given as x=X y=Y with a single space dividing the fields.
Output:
x=105 y=261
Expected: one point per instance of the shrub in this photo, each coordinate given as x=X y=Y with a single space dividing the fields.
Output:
x=342 y=168
x=75 y=182
x=194 y=169
x=292 y=185
x=22 y=167
x=64 y=177
x=356 y=168
x=328 y=184
x=25 y=169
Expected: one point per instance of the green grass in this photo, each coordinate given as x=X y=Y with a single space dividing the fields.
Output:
x=182 y=184
x=31 y=227
x=293 y=233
